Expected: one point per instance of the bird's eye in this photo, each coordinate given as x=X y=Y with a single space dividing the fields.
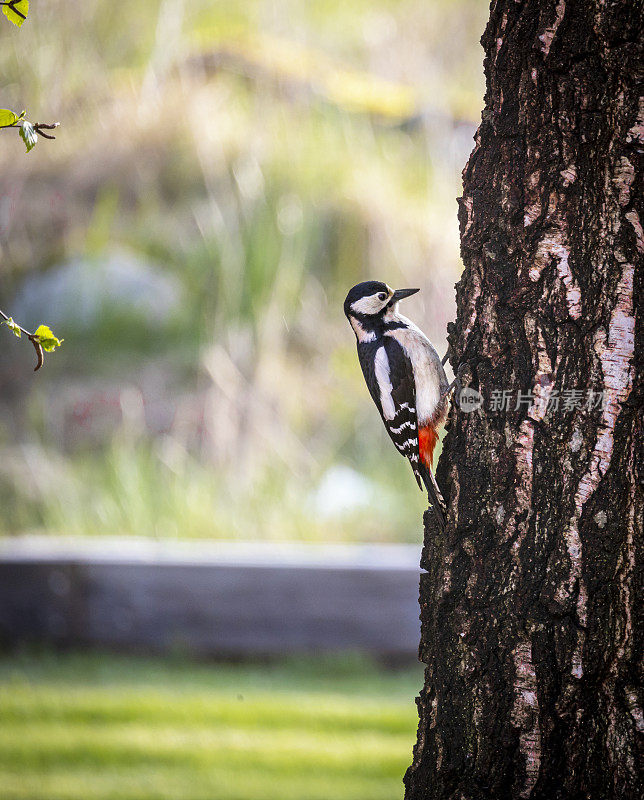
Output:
x=382 y=296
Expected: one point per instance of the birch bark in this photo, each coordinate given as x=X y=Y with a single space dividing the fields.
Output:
x=530 y=604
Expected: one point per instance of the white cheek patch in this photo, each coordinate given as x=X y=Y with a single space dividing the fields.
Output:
x=369 y=305
x=381 y=363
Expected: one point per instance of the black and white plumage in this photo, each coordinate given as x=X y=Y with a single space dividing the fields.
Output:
x=404 y=376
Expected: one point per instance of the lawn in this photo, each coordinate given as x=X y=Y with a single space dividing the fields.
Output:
x=88 y=726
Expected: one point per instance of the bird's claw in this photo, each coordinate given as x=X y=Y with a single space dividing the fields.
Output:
x=456 y=384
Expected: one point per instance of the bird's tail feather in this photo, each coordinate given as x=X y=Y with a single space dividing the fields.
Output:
x=434 y=495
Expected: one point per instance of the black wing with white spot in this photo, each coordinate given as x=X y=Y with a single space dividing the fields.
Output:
x=389 y=375
x=403 y=428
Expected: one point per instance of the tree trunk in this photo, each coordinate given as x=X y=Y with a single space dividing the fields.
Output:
x=529 y=604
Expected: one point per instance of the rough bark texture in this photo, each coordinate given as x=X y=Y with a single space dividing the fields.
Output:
x=528 y=608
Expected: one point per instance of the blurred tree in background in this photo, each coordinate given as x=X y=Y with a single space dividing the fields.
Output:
x=226 y=173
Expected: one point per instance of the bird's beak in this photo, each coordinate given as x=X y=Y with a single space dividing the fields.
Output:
x=400 y=294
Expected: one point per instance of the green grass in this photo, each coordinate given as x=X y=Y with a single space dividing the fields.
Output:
x=84 y=727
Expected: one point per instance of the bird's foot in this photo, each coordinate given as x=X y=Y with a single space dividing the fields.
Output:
x=456 y=385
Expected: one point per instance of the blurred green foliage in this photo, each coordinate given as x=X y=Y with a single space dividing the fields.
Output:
x=266 y=156
x=92 y=727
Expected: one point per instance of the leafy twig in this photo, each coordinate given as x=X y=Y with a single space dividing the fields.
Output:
x=43 y=339
x=12 y=6
x=37 y=126
x=27 y=130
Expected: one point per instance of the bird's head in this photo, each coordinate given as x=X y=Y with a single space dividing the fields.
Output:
x=367 y=303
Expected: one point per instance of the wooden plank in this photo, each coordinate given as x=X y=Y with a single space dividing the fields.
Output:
x=215 y=599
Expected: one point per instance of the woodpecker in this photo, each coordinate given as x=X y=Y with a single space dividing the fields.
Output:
x=404 y=375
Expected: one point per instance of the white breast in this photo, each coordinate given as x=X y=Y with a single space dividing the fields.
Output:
x=429 y=375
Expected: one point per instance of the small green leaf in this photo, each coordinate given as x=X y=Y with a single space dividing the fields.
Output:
x=28 y=134
x=7 y=117
x=13 y=325
x=17 y=12
x=47 y=339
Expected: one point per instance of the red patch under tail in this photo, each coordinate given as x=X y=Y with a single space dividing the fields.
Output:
x=427 y=438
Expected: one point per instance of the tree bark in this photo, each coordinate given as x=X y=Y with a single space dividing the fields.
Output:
x=529 y=604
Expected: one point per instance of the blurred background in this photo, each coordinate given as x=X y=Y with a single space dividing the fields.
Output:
x=223 y=174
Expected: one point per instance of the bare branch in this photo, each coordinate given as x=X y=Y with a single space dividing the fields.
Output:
x=48 y=126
